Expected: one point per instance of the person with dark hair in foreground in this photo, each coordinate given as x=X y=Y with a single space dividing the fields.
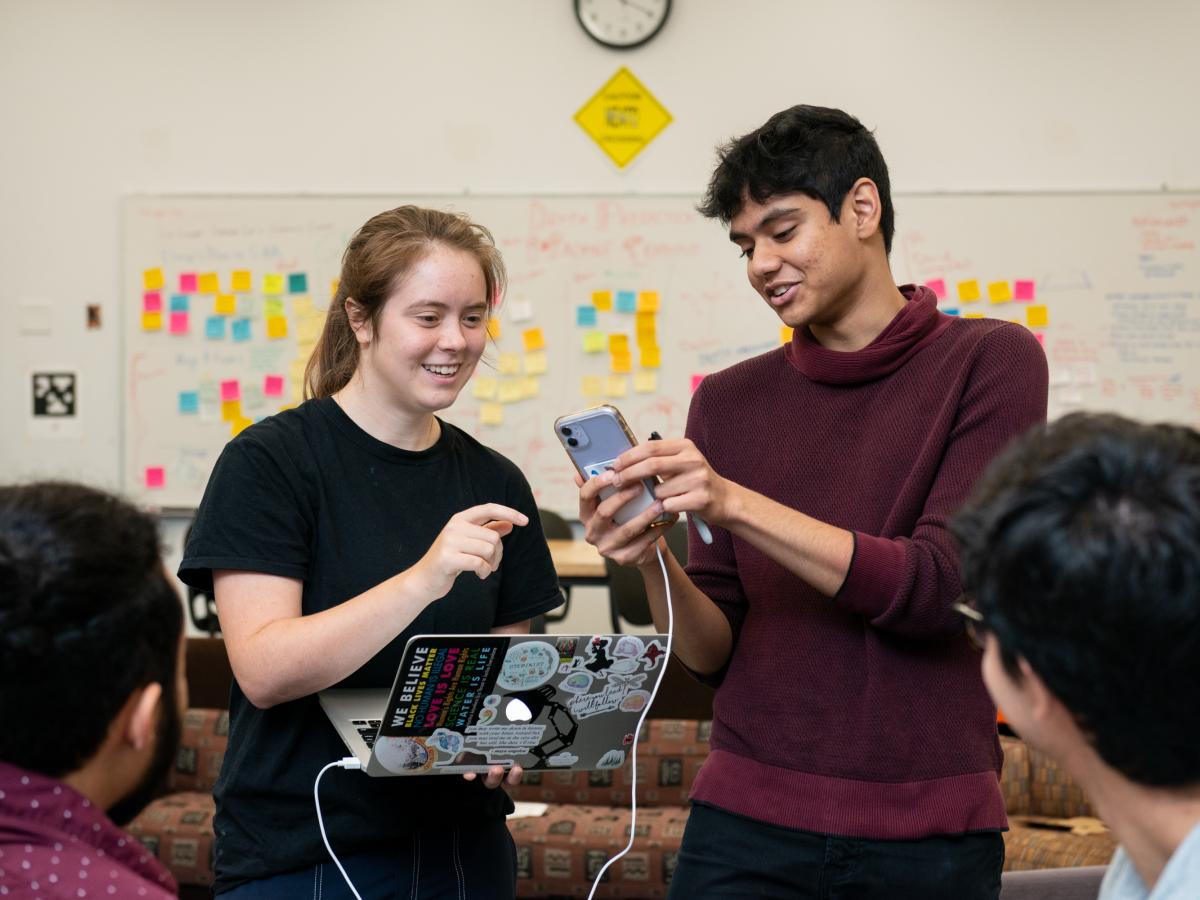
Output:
x=854 y=747
x=92 y=691
x=1081 y=566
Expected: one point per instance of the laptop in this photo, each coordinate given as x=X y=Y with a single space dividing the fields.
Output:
x=465 y=703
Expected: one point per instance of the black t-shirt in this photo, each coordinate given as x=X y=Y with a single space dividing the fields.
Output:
x=308 y=494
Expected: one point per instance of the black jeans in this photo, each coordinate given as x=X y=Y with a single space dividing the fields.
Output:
x=725 y=855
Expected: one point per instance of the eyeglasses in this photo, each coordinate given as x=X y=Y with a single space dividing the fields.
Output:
x=974 y=622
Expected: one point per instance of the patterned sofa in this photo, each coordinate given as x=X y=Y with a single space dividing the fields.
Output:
x=587 y=815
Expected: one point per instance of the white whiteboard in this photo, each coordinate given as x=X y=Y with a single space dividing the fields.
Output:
x=1117 y=276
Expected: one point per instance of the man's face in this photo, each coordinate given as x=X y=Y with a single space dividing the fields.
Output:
x=798 y=259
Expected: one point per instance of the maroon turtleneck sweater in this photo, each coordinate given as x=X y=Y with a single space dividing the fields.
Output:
x=863 y=715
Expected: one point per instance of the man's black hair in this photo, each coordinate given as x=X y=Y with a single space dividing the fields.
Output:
x=1081 y=548
x=87 y=615
x=809 y=150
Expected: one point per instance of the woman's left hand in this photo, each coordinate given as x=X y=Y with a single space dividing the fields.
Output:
x=495 y=776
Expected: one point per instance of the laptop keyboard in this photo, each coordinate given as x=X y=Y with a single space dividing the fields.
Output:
x=367 y=729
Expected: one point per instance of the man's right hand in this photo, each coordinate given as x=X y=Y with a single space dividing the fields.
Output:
x=631 y=544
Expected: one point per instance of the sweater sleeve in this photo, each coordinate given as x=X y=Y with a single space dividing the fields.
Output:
x=906 y=584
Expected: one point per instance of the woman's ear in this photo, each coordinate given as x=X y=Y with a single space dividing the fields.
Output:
x=360 y=321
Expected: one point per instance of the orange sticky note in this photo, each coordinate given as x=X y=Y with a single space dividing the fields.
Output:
x=534 y=339
x=651 y=358
x=224 y=305
x=152 y=279
x=230 y=410
x=1037 y=316
x=999 y=292
x=152 y=321
x=208 y=283
x=618 y=343
x=968 y=291
x=785 y=334
x=622 y=363
x=240 y=281
x=602 y=300
x=277 y=327
x=238 y=425
x=647 y=301
x=493 y=328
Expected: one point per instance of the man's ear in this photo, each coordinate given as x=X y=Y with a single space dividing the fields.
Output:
x=360 y=321
x=1041 y=702
x=865 y=208
x=144 y=706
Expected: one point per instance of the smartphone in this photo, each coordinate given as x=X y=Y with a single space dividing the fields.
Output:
x=594 y=439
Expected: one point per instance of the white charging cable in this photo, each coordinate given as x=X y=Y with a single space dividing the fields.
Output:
x=348 y=762
x=654 y=693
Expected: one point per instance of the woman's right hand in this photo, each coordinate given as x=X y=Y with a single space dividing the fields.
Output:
x=469 y=542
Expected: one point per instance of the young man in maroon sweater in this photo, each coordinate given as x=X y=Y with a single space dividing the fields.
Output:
x=854 y=749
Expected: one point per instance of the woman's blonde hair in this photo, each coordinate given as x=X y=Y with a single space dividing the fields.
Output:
x=378 y=256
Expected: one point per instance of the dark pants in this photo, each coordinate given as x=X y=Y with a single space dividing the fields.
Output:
x=458 y=863
x=725 y=855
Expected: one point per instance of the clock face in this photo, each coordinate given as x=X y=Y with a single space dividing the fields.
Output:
x=622 y=23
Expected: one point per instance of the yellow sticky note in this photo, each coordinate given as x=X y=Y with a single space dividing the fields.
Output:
x=152 y=321
x=509 y=391
x=484 y=389
x=534 y=339
x=277 y=327
x=508 y=364
x=224 y=305
x=230 y=410
x=973 y=315
x=785 y=334
x=535 y=363
x=272 y=308
x=622 y=363
x=1037 y=316
x=152 y=279
x=591 y=386
x=618 y=343
x=240 y=281
x=208 y=283
x=644 y=321
x=238 y=425
x=272 y=284
x=647 y=301
x=645 y=382
x=333 y=286
x=303 y=306
x=968 y=291
x=615 y=386
x=491 y=414
x=308 y=330
x=602 y=300
x=999 y=292
x=530 y=387
x=594 y=342
x=651 y=358
x=493 y=327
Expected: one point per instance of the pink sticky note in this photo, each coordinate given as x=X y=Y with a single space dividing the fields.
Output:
x=938 y=286
x=156 y=476
x=696 y=379
x=1023 y=290
x=273 y=385
x=187 y=282
x=178 y=323
x=152 y=301
x=231 y=390
x=1041 y=338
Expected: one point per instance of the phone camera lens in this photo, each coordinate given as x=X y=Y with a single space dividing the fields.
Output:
x=571 y=442
x=566 y=431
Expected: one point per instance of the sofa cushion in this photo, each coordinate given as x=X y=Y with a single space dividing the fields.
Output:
x=1028 y=846
x=1052 y=791
x=178 y=829
x=201 y=749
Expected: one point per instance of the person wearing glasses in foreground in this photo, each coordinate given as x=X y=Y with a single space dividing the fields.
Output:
x=1080 y=555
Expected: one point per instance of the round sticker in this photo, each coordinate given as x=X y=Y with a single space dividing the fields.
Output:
x=526 y=665
x=402 y=754
x=635 y=701
x=576 y=682
x=628 y=645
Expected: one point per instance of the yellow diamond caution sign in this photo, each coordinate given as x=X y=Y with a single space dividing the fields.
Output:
x=623 y=117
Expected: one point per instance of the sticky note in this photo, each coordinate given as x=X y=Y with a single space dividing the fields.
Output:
x=187 y=282
x=231 y=389
x=591 y=386
x=1023 y=290
x=333 y=286
x=189 y=401
x=239 y=281
x=152 y=301
x=241 y=330
x=618 y=343
x=968 y=291
x=535 y=363
x=238 y=425
x=614 y=386
x=225 y=304
x=277 y=327
x=520 y=310
x=214 y=328
x=785 y=334
x=696 y=379
x=180 y=302
x=647 y=301
x=534 y=339
x=973 y=316
x=529 y=387
x=493 y=328
x=508 y=364
x=272 y=284
x=1041 y=338
x=491 y=414
x=297 y=283
x=484 y=388
x=999 y=292
x=156 y=476
x=622 y=363
x=152 y=279
x=230 y=410
x=585 y=316
x=938 y=286
x=650 y=357
x=951 y=310
x=152 y=321
x=594 y=342
x=626 y=301
x=509 y=391
x=208 y=283
x=272 y=307
x=273 y=385
x=645 y=382
x=602 y=300
x=178 y=323
x=1037 y=316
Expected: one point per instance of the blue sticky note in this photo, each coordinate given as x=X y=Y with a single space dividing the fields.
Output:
x=214 y=328
x=297 y=283
x=950 y=311
x=179 y=303
x=189 y=401
x=626 y=301
x=585 y=316
x=241 y=329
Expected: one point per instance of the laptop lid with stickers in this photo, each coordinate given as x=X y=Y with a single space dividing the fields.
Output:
x=464 y=703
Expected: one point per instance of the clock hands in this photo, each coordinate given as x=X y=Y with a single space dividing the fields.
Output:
x=640 y=9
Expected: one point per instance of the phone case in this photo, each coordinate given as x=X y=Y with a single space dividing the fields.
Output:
x=600 y=435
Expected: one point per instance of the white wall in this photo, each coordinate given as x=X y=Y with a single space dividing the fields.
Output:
x=98 y=100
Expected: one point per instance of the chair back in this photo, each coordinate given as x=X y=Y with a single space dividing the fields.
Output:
x=626 y=590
